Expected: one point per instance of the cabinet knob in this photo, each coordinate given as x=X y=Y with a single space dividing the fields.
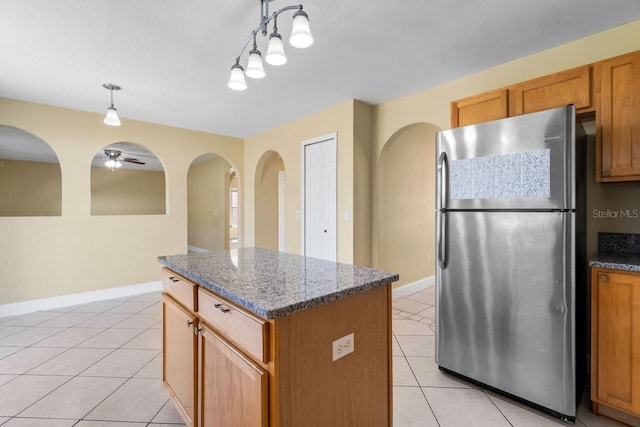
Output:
x=606 y=172
x=604 y=278
x=197 y=331
x=189 y=323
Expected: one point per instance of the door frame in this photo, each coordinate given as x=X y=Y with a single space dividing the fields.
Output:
x=303 y=185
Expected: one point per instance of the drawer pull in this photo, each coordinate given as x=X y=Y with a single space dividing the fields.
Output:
x=173 y=279
x=221 y=308
x=604 y=278
x=189 y=323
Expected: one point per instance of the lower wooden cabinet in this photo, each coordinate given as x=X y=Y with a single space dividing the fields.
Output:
x=232 y=389
x=226 y=367
x=179 y=371
x=615 y=352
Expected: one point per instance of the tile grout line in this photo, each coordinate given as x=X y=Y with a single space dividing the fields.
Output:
x=78 y=375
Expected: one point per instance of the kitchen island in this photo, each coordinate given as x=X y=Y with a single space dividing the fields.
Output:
x=267 y=338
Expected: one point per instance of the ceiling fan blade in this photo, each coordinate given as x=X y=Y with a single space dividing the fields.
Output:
x=132 y=160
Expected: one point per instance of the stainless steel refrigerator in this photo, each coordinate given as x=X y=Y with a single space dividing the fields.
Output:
x=511 y=272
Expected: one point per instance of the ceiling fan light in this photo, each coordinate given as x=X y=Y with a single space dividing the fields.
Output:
x=112 y=164
x=236 y=81
x=255 y=69
x=112 y=118
x=301 y=33
x=275 y=50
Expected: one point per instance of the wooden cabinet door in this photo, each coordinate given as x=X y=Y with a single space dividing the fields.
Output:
x=233 y=389
x=485 y=107
x=619 y=119
x=179 y=357
x=618 y=340
x=555 y=90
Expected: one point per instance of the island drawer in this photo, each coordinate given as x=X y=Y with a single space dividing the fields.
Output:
x=181 y=289
x=247 y=330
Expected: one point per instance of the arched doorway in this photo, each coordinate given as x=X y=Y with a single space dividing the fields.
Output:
x=269 y=202
x=209 y=182
x=406 y=203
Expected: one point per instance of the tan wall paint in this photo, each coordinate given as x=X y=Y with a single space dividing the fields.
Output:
x=406 y=174
x=433 y=105
x=286 y=140
x=207 y=194
x=127 y=192
x=30 y=188
x=362 y=215
x=48 y=256
x=266 y=200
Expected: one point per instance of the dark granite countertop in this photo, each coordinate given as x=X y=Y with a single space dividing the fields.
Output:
x=618 y=251
x=274 y=284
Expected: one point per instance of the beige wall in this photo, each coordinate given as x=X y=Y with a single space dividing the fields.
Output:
x=127 y=192
x=433 y=106
x=48 y=256
x=362 y=184
x=286 y=140
x=70 y=251
x=266 y=200
x=405 y=196
x=207 y=197
x=30 y=188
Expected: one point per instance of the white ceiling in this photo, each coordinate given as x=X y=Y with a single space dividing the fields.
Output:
x=172 y=58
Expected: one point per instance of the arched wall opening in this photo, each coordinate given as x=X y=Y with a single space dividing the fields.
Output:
x=406 y=203
x=30 y=175
x=208 y=199
x=127 y=179
x=269 y=201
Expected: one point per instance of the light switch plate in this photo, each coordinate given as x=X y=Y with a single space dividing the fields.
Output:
x=343 y=346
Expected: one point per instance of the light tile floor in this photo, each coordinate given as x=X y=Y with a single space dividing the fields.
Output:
x=99 y=364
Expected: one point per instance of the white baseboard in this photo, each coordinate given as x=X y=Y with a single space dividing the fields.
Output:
x=75 y=299
x=191 y=249
x=414 y=287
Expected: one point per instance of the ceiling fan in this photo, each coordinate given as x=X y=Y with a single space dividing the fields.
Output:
x=114 y=159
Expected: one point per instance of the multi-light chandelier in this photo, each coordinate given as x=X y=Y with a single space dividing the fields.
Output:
x=300 y=38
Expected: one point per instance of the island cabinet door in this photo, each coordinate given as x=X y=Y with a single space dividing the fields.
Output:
x=233 y=389
x=179 y=356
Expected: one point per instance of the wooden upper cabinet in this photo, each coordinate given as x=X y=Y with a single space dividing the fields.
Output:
x=485 y=107
x=619 y=119
x=555 y=90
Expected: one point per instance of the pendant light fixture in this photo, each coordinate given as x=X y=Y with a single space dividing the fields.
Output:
x=111 y=118
x=300 y=38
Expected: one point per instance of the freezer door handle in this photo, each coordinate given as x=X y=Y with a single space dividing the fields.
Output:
x=442 y=190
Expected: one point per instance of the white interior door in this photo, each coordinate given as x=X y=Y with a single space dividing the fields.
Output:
x=320 y=195
x=282 y=194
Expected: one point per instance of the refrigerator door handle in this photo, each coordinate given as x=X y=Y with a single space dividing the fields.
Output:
x=442 y=184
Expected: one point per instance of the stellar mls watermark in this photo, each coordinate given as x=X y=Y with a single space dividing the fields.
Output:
x=616 y=213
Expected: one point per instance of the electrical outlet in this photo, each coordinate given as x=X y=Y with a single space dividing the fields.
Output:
x=347 y=216
x=343 y=346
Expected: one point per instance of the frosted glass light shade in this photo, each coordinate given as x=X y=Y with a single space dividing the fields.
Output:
x=255 y=69
x=112 y=164
x=236 y=81
x=275 y=50
x=112 y=118
x=300 y=33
